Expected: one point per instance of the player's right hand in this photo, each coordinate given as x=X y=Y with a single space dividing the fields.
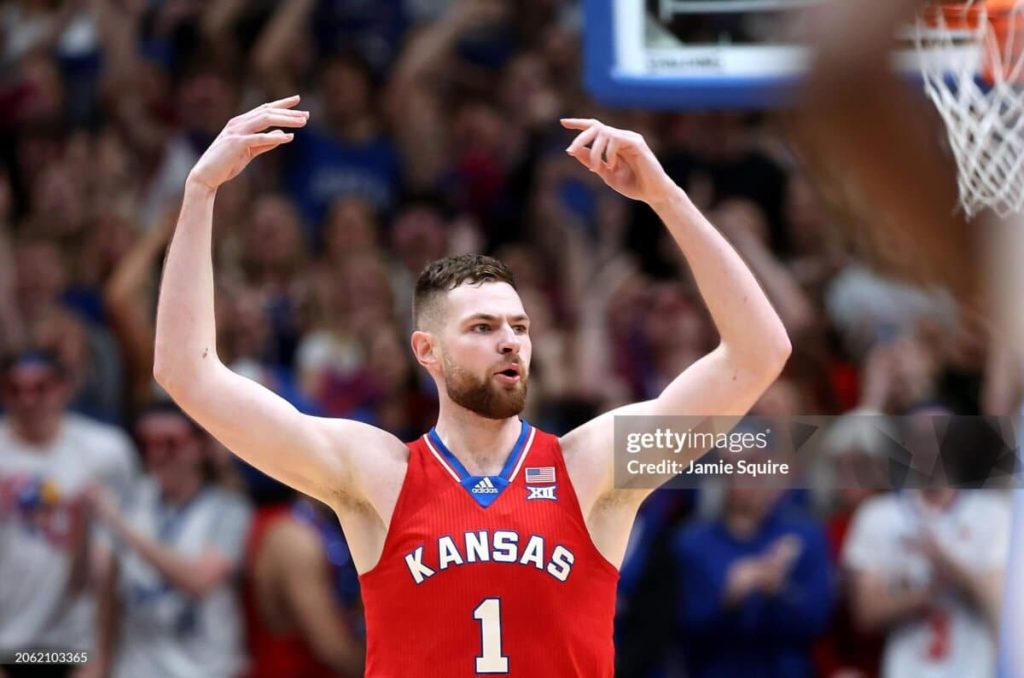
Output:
x=244 y=137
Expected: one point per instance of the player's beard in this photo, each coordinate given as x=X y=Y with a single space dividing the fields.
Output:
x=486 y=397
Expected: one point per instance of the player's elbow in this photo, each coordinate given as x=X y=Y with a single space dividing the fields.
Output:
x=778 y=349
x=161 y=371
x=176 y=373
x=169 y=376
x=772 y=354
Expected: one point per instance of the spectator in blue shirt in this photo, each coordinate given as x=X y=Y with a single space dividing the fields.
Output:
x=344 y=152
x=754 y=589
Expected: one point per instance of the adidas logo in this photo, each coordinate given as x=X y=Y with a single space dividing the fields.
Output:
x=485 y=486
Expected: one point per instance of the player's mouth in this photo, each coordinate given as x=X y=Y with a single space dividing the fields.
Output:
x=510 y=374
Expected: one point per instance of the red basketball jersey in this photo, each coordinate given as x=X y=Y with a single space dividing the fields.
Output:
x=489 y=575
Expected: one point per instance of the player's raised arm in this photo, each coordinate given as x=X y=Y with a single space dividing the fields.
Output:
x=307 y=453
x=754 y=346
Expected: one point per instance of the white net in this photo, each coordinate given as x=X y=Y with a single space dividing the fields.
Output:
x=981 y=99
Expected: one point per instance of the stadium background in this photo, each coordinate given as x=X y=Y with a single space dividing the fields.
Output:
x=434 y=131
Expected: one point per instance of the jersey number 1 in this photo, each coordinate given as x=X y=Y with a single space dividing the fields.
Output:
x=488 y=613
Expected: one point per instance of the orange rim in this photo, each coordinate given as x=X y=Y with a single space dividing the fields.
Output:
x=1005 y=20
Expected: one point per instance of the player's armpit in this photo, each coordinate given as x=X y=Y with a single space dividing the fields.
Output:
x=317 y=456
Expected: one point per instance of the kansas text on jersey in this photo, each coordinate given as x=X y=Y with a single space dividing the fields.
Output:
x=491 y=575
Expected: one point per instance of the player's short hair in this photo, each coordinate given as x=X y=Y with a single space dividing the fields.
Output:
x=444 y=275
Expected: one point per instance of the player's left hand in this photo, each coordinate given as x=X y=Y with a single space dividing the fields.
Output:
x=621 y=158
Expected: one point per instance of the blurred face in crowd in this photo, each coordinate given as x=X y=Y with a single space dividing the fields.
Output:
x=351 y=227
x=58 y=200
x=673 y=322
x=479 y=126
x=858 y=472
x=914 y=370
x=418 y=236
x=112 y=161
x=45 y=93
x=65 y=336
x=485 y=349
x=805 y=215
x=245 y=329
x=782 y=399
x=207 y=102
x=346 y=91
x=526 y=89
x=40 y=275
x=526 y=264
x=365 y=285
x=750 y=504
x=924 y=432
x=273 y=235
x=387 y=359
x=34 y=396
x=111 y=236
x=172 y=450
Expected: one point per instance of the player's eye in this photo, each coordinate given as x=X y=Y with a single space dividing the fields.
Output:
x=519 y=329
x=481 y=327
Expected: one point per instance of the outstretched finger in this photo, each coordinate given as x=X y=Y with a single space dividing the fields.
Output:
x=578 y=123
x=582 y=139
x=261 y=143
x=277 y=118
x=287 y=102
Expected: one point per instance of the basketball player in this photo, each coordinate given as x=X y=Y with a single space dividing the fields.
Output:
x=486 y=546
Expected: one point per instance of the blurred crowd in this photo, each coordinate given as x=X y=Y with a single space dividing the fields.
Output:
x=128 y=532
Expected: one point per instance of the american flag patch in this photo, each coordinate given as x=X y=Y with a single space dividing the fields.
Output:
x=540 y=474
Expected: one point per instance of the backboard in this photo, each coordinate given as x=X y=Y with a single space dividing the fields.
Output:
x=701 y=54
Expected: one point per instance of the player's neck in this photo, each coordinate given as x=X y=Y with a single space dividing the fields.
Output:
x=481 y=444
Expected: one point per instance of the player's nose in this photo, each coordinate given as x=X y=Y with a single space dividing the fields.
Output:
x=508 y=341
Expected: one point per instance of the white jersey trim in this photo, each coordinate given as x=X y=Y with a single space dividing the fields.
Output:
x=522 y=457
x=441 y=460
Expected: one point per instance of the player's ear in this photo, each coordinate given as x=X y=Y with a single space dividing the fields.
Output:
x=424 y=347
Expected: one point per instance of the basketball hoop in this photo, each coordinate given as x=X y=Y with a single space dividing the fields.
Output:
x=981 y=99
